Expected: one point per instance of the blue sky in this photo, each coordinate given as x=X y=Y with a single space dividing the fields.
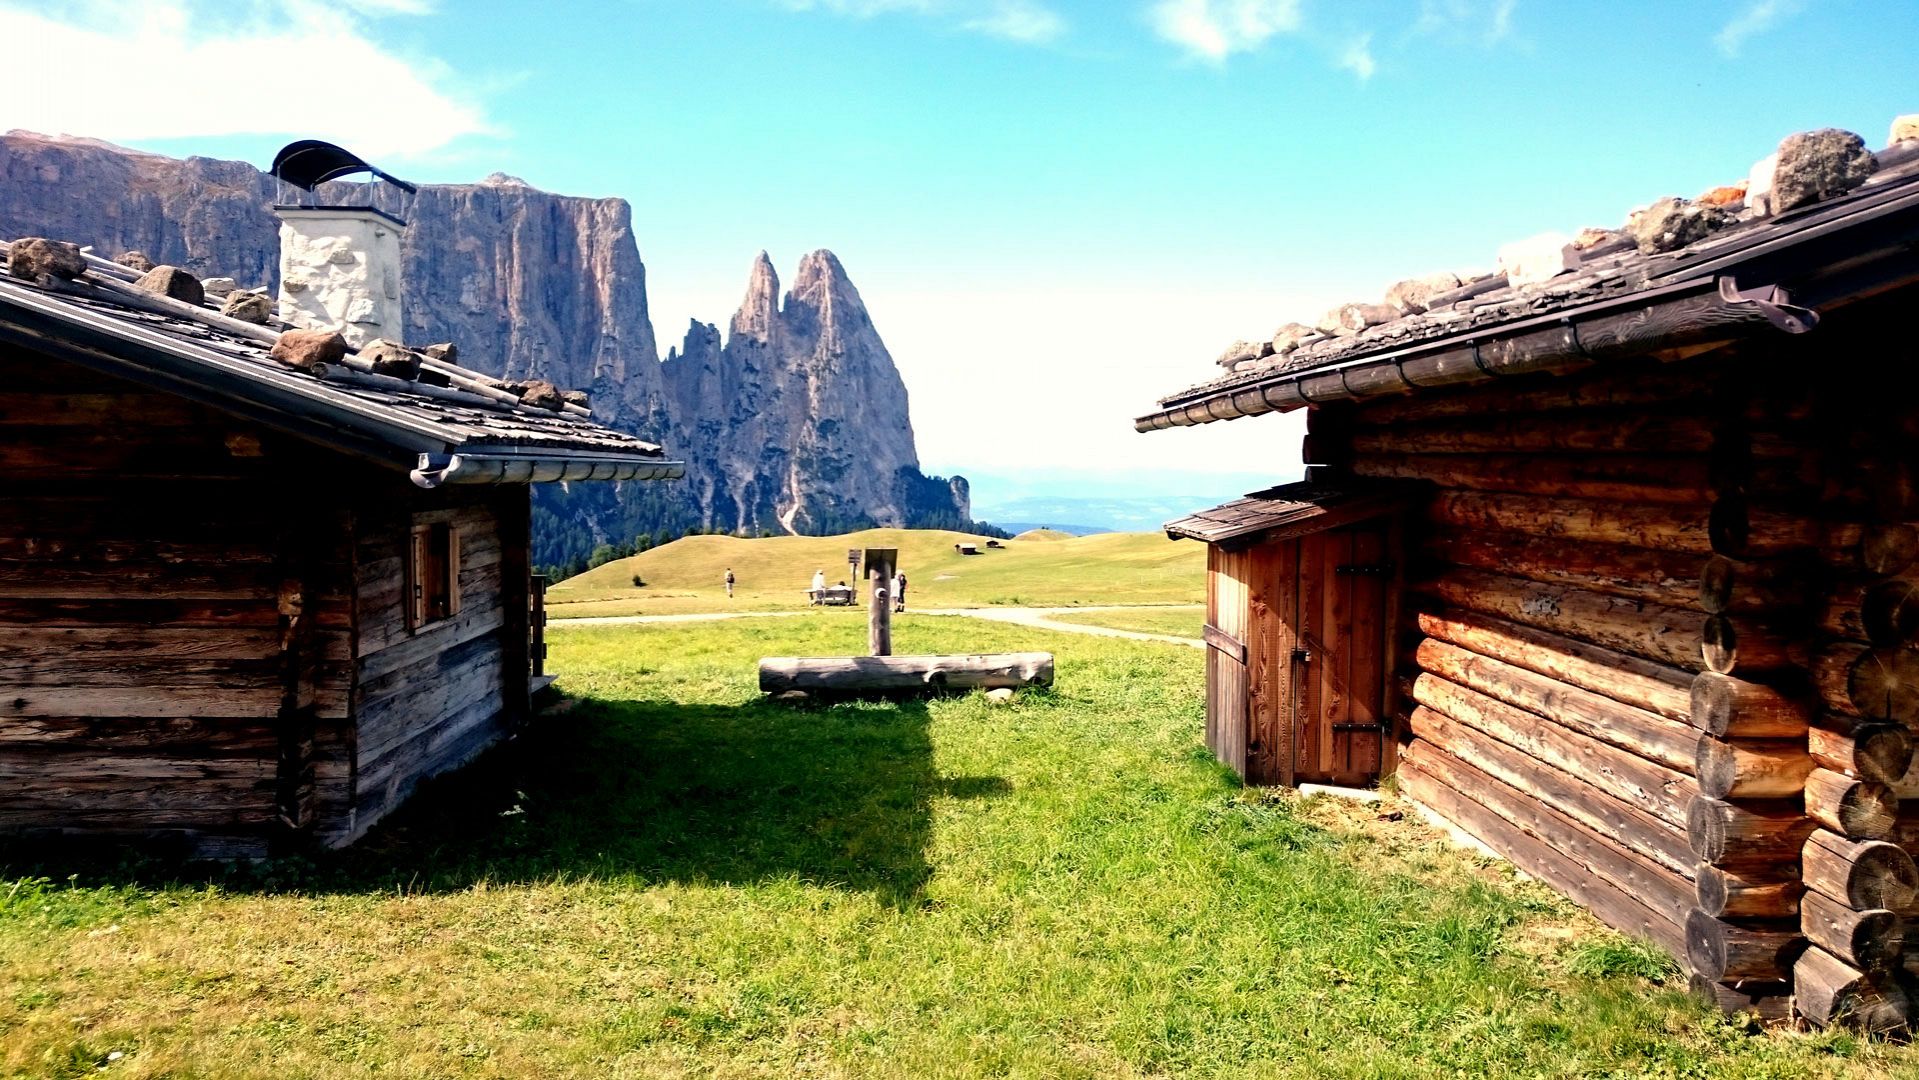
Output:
x=1057 y=211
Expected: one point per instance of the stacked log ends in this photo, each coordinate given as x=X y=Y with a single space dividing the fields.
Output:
x=1723 y=893
x=1859 y=809
x=1870 y=750
x=1727 y=584
x=1873 y=940
x=1884 y=549
x=1721 y=950
x=1828 y=991
x=1870 y=683
x=1862 y=874
x=1731 y=708
x=1761 y=837
x=1751 y=768
x=1729 y=643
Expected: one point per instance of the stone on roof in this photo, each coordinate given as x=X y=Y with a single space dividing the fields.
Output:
x=1552 y=272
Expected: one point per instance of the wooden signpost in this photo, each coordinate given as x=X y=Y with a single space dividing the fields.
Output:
x=879 y=623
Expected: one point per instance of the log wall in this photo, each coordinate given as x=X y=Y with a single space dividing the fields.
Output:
x=1615 y=613
x=428 y=700
x=202 y=643
x=175 y=655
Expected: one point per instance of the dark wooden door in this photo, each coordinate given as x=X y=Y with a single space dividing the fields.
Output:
x=1317 y=656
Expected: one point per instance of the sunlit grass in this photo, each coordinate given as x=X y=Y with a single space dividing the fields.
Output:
x=677 y=878
x=773 y=573
x=1178 y=620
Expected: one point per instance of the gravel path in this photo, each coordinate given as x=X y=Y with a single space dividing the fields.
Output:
x=1040 y=617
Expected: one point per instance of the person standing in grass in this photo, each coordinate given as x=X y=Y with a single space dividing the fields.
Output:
x=729 y=583
x=899 y=591
x=819 y=586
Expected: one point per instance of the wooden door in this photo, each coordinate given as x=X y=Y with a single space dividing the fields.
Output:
x=1318 y=656
x=1226 y=656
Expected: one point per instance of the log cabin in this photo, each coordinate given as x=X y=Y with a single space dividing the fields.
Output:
x=1611 y=560
x=246 y=607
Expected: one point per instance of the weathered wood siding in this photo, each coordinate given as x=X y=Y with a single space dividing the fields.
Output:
x=174 y=619
x=427 y=701
x=1558 y=566
x=1226 y=654
x=1665 y=655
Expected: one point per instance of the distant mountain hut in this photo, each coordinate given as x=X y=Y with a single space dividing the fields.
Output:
x=1609 y=558
x=257 y=583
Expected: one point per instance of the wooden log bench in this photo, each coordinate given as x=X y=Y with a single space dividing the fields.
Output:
x=904 y=674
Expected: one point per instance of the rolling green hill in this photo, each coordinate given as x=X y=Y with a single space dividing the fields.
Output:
x=773 y=573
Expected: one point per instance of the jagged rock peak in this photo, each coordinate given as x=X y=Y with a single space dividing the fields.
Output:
x=823 y=286
x=760 y=311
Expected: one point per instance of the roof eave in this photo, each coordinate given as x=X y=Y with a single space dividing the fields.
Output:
x=1700 y=311
x=539 y=467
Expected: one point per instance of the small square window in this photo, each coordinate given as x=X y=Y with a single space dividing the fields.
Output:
x=432 y=575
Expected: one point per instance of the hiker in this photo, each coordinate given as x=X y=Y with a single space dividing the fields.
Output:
x=899 y=591
x=818 y=592
x=729 y=583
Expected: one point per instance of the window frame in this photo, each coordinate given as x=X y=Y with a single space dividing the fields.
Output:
x=432 y=574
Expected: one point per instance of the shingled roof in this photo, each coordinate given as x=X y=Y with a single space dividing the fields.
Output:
x=1681 y=271
x=1288 y=510
x=462 y=432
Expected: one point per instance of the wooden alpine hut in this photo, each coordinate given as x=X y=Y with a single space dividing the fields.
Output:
x=256 y=583
x=1612 y=559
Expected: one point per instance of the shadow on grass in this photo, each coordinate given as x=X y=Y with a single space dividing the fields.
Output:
x=649 y=790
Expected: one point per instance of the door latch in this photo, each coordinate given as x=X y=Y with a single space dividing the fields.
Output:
x=1302 y=656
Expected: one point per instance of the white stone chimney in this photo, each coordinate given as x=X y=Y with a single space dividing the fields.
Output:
x=340 y=270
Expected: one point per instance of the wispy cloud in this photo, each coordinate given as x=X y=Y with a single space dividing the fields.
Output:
x=1357 y=57
x=1486 y=22
x=1215 y=29
x=1019 y=21
x=385 y=104
x=1755 y=18
x=1028 y=22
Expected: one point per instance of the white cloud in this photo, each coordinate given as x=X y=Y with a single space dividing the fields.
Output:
x=1755 y=18
x=1019 y=21
x=1486 y=22
x=275 y=67
x=1025 y=21
x=1215 y=29
x=1357 y=57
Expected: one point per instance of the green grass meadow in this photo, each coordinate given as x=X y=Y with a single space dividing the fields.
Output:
x=1177 y=620
x=1036 y=569
x=677 y=878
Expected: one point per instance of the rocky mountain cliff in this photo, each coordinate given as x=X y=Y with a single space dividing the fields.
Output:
x=797 y=422
x=780 y=396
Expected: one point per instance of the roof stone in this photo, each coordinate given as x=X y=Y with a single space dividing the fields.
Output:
x=1551 y=270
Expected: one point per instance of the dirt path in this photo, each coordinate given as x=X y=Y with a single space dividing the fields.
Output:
x=1040 y=617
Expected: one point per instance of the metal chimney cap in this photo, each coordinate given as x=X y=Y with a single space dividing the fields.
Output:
x=309 y=163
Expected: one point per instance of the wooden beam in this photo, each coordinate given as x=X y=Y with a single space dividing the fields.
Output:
x=905 y=673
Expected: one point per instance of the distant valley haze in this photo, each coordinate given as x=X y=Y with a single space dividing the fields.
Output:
x=1057 y=211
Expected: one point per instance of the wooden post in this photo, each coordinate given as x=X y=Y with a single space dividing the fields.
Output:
x=879 y=574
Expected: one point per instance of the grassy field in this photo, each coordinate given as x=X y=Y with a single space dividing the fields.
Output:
x=677 y=878
x=1180 y=621
x=773 y=573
